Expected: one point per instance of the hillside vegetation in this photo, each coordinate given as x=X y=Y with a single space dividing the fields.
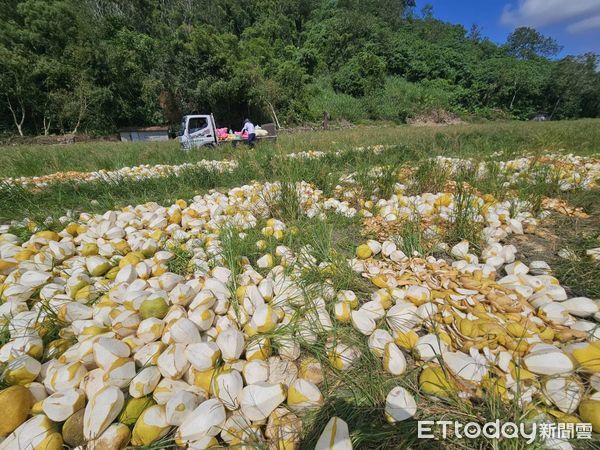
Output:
x=95 y=66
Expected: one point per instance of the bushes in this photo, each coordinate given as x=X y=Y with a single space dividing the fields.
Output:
x=396 y=100
x=400 y=100
x=363 y=74
x=64 y=63
x=322 y=98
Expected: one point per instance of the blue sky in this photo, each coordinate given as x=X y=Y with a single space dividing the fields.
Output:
x=575 y=24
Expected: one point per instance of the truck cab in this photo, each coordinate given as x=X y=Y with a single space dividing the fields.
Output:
x=197 y=130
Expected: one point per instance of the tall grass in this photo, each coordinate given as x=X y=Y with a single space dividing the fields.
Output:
x=413 y=146
x=412 y=240
x=464 y=223
x=180 y=263
x=396 y=101
x=511 y=138
x=98 y=196
x=428 y=176
x=545 y=183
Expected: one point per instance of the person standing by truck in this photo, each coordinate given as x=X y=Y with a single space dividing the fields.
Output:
x=250 y=129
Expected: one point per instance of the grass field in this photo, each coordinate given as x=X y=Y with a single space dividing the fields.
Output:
x=580 y=137
x=393 y=263
x=265 y=163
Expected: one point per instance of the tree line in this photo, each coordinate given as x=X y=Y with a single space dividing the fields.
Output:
x=97 y=65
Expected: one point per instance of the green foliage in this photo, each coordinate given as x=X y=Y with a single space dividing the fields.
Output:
x=528 y=43
x=516 y=85
x=400 y=100
x=411 y=239
x=463 y=224
x=363 y=74
x=180 y=264
x=573 y=90
x=93 y=67
x=395 y=100
x=428 y=177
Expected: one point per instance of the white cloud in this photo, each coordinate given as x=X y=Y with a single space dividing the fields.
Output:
x=539 y=13
x=585 y=25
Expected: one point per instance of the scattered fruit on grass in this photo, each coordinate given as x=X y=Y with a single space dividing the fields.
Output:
x=399 y=405
x=248 y=339
x=335 y=436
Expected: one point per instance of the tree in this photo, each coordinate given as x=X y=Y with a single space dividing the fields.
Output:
x=427 y=11
x=364 y=73
x=98 y=65
x=513 y=85
x=77 y=104
x=15 y=82
x=475 y=33
x=528 y=43
x=17 y=110
x=390 y=11
x=574 y=87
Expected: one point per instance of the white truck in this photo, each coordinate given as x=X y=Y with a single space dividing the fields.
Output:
x=200 y=130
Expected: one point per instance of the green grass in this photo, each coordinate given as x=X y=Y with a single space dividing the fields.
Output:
x=411 y=239
x=410 y=145
x=428 y=176
x=463 y=223
x=35 y=160
x=238 y=244
x=4 y=333
x=98 y=196
x=545 y=183
x=357 y=396
x=510 y=138
x=23 y=233
x=180 y=263
x=382 y=184
x=332 y=241
x=287 y=207
x=588 y=200
x=581 y=274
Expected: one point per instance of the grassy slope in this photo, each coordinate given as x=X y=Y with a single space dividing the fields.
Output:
x=580 y=137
